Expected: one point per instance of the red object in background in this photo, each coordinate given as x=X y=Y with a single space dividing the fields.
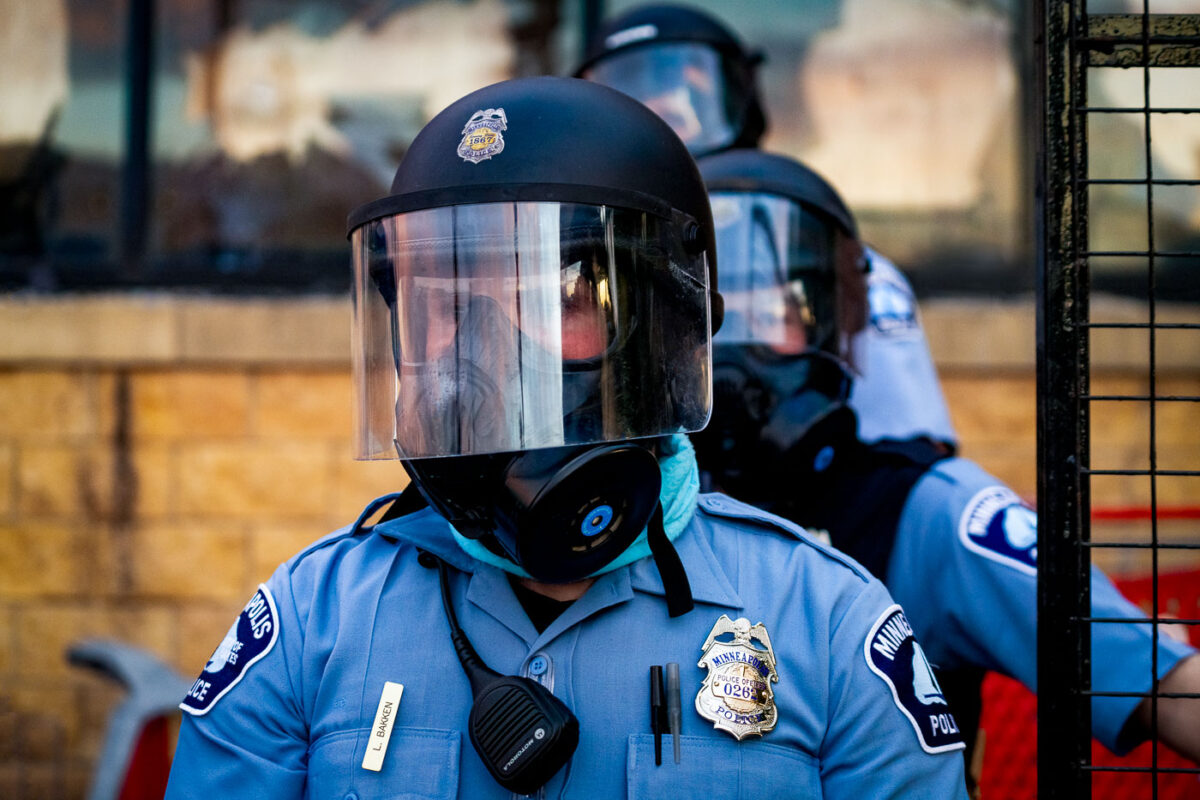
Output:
x=146 y=777
x=1008 y=731
x=1009 y=721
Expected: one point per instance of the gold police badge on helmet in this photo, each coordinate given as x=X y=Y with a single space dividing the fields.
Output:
x=483 y=135
x=736 y=694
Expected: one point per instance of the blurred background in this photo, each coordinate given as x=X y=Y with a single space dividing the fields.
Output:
x=175 y=177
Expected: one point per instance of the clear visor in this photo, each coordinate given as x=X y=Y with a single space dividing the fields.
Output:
x=683 y=82
x=777 y=262
x=514 y=326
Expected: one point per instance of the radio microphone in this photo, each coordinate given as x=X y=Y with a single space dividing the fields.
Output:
x=521 y=731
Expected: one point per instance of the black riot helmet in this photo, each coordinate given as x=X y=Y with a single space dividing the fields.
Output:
x=688 y=68
x=533 y=305
x=794 y=289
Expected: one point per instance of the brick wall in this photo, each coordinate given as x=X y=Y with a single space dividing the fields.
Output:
x=160 y=456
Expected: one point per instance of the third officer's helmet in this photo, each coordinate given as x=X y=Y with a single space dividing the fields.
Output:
x=688 y=68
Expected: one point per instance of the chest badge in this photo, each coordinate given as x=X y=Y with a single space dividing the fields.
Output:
x=736 y=695
x=483 y=135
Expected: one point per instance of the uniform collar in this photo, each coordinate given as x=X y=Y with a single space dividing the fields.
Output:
x=427 y=530
x=490 y=592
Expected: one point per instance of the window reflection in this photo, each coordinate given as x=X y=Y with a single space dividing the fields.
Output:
x=268 y=121
x=33 y=61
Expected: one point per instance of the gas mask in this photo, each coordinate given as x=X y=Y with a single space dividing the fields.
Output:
x=774 y=420
x=531 y=354
x=781 y=364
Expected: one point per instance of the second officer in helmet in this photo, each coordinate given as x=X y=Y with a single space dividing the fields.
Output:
x=692 y=69
x=533 y=312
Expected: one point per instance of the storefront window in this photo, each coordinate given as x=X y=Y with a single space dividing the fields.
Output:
x=266 y=122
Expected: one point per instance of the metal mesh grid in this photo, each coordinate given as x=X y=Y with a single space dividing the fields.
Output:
x=1101 y=213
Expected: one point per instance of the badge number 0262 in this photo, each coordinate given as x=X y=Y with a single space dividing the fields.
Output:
x=736 y=694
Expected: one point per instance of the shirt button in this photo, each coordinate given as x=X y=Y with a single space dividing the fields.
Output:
x=539 y=665
x=351 y=796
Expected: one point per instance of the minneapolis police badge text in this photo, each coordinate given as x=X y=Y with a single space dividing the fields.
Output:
x=736 y=695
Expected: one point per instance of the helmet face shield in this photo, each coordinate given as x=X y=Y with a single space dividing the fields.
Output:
x=500 y=327
x=778 y=274
x=688 y=84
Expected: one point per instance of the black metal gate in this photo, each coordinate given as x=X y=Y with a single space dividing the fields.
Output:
x=1076 y=255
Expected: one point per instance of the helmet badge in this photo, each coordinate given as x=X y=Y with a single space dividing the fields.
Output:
x=483 y=135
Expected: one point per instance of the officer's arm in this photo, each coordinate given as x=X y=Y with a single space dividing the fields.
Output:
x=1124 y=656
x=969 y=577
x=1178 y=718
x=243 y=733
x=889 y=734
x=969 y=590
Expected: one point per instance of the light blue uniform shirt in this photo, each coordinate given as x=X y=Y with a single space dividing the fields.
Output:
x=964 y=567
x=291 y=714
x=896 y=393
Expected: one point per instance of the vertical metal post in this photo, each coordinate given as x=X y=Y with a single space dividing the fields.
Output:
x=135 y=177
x=1064 y=643
x=1075 y=42
x=1026 y=41
x=1151 y=300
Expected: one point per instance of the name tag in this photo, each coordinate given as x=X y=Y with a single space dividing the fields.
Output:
x=381 y=731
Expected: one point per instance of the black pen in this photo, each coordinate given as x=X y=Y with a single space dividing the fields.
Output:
x=657 y=711
x=674 y=710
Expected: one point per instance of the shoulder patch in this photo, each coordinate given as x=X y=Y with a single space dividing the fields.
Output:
x=893 y=654
x=997 y=525
x=893 y=309
x=250 y=637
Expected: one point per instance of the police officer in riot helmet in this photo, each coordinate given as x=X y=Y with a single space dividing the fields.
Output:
x=954 y=546
x=688 y=68
x=695 y=73
x=527 y=337
x=782 y=435
x=794 y=298
x=533 y=305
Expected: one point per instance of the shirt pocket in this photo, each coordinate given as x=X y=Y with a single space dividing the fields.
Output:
x=420 y=764
x=718 y=769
